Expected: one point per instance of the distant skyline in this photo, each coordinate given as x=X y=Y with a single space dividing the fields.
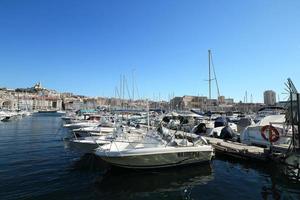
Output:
x=84 y=46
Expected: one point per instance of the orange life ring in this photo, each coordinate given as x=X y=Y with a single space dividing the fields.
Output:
x=273 y=133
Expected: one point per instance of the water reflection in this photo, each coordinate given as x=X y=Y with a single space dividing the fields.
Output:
x=119 y=182
x=274 y=183
x=90 y=162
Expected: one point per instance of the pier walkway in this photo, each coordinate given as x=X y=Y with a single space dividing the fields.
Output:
x=237 y=149
x=245 y=151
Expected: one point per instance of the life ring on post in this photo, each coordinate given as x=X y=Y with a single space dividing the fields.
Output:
x=273 y=133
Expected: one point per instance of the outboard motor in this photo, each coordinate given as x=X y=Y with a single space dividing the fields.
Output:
x=220 y=121
x=227 y=133
x=199 y=129
x=243 y=123
x=159 y=129
x=183 y=120
x=166 y=119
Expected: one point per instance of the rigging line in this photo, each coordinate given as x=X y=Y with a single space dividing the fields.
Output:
x=117 y=92
x=133 y=84
x=127 y=88
x=137 y=89
x=123 y=89
x=215 y=77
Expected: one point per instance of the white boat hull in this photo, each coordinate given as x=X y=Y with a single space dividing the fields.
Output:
x=87 y=145
x=167 y=158
x=81 y=125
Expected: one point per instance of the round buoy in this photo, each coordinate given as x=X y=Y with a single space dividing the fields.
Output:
x=272 y=132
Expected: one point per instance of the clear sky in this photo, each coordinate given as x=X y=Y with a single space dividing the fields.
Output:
x=84 y=46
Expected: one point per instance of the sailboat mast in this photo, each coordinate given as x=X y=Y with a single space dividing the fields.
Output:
x=133 y=85
x=148 y=110
x=209 y=75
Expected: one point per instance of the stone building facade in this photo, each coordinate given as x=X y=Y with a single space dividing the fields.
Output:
x=34 y=98
x=270 y=97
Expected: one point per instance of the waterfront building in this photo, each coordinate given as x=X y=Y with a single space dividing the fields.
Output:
x=33 y=98
x=212 y=102
x=229 y=101
x=188 y=102
x=248 y=107
x=176 y=102
x=221 y=99
x=269 y=97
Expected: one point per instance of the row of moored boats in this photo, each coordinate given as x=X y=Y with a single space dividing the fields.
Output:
x=154 y=140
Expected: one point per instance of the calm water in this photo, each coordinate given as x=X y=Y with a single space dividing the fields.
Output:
x=35 y=165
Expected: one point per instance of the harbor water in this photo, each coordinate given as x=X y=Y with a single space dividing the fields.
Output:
x=34 y=164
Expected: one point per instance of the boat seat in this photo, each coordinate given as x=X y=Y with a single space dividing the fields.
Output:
x=183 y=142
x=173 y=144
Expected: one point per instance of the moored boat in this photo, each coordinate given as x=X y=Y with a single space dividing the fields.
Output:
x=155 y=152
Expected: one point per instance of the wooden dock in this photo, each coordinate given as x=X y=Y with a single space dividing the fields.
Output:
x=238 y=149
x=243 y=151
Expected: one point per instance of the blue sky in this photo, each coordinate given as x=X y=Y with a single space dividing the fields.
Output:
x=84 y=46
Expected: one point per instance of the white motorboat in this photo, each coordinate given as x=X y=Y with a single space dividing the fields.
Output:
x=103 y=127
x=152 y=151
x=51 y=112
x=86 y=144
x=72 y=118
x=2 y=117
x=216 y=132
x=271 y=129
x=91 y=140
x=95 y=130
x=24 y=113
x=7 y=115
x=267 y=111
x=82 y=124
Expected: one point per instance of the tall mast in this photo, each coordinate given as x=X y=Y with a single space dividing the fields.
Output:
x=133 y=84
x=209 y=75
x=211 y=64
x=123 y=90
x=120 y=87
x=148 y=110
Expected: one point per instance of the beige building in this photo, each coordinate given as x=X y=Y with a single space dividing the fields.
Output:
x=270 y=97
x=221 y=99
x=34 y=98
x=229 y=101
x=188 y=102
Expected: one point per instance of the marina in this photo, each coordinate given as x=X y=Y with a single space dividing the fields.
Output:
x=149 y=100
x=35 y=165
x=100 y=143
x=103 y=141
x=182 y=154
